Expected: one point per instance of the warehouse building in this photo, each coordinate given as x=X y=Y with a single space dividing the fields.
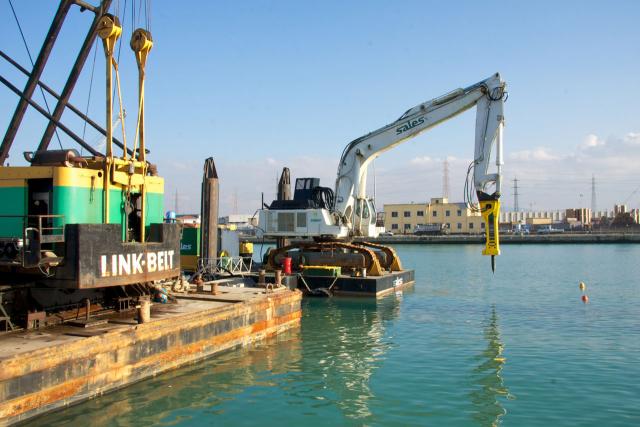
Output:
x=457 y=217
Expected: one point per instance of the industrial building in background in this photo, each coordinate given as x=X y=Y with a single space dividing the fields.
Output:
x=406 y=218
x=440 y=216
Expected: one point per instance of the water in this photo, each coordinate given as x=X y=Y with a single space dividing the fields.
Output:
x=463 y=347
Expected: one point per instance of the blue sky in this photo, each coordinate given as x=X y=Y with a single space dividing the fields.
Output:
x=260 y=85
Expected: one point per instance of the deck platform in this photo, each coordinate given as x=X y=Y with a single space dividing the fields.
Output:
x=44 y=370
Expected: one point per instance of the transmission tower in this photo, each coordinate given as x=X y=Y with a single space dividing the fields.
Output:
x=593 y=194
x=516 y=194
x=235 y=201
x=445 y=179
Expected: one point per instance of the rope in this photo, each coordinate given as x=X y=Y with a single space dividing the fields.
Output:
x=24 y=40
x=332 y=284
x=305 y=283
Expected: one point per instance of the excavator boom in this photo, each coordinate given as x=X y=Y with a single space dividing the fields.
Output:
x=348 y=212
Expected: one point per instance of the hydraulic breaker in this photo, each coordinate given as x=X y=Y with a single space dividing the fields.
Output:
x=490 y=210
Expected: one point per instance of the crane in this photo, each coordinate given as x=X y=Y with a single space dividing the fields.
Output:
x=346 y=211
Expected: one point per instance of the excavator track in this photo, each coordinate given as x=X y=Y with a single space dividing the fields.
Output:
x=392 y=262
x=373 y=264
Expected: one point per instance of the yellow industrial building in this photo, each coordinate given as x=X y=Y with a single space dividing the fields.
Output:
x=457 y=217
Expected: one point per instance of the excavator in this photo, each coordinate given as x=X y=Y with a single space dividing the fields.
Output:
x=334 y=217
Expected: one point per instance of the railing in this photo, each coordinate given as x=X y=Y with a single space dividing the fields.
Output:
x=224 y=265
x=34 y=237
x=37 y=230
x=26 y=223
x=49 y=234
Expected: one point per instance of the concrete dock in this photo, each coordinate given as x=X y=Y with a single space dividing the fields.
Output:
x=44 y=370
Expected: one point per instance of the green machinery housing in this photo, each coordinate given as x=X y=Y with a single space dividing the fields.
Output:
x=82 y=229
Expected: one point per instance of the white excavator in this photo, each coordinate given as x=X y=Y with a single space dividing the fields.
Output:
x=346 y=212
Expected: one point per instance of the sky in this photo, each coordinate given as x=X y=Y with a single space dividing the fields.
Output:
x=259 y=85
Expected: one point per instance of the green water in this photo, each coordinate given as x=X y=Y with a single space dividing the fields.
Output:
x=463 y=347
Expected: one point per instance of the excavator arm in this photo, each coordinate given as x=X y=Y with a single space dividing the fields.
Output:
x=487 y=96
x=350 y=213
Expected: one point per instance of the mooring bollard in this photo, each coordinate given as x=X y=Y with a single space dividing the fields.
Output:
x=278 y=278
x=261 y=277
x=144 y=310
x=214 y=288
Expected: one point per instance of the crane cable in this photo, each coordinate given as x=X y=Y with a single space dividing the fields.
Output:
x=86 y=110
x=24 y=40
x=93 y=67
x=121 y=112
x=147 y=14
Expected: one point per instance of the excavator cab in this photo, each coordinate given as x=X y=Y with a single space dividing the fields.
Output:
x=304 y=189
x=364 y=220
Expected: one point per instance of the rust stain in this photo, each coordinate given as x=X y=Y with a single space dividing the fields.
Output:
x=110 y=352
x=45 y=358
x=43 y=398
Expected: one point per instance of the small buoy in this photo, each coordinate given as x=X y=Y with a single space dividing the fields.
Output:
x=582 y=286
x=585 y=299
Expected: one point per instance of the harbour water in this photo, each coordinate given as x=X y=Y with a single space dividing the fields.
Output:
x=463 y=347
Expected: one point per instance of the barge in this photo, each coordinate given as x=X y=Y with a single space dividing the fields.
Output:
x=45 y=370
x=317 y=260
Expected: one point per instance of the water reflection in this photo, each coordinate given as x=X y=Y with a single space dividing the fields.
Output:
x=344 y=342
x=182 y=396
x=488 y=385
x=325 y=366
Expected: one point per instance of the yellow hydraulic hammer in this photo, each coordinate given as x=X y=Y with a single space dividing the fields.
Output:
x=490 y=210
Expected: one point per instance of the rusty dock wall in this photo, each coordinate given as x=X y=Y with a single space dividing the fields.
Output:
x=48 y=370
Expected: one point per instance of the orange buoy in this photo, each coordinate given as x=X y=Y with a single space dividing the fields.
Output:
x=585 y=299
x=582 y=286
